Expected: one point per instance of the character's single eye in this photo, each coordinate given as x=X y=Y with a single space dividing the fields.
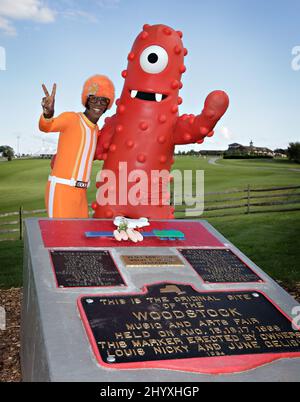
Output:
x=154 y=59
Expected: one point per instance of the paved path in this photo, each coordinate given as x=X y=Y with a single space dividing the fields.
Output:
x=213 y=160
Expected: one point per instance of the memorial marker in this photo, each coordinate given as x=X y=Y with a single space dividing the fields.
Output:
x=177 y=322
x=85 y=268
x=219 y=266
x=166 y=324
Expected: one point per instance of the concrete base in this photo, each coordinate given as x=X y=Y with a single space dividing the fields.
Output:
x=55 y=346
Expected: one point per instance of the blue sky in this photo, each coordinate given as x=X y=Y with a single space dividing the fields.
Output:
x=241 y=46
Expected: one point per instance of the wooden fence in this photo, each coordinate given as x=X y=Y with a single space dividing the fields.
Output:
x=246 y=201
x=217 y=204
x=17 y=224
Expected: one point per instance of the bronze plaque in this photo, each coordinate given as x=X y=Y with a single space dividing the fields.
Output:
x=219 y=266
x=85 y=268
x=142 y=261
x=172 y=321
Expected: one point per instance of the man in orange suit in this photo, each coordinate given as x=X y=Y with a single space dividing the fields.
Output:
x=70 y=175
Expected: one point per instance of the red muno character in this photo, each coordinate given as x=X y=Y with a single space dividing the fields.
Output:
x=146 y=127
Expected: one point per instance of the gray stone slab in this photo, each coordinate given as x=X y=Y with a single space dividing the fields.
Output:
x=50 y=315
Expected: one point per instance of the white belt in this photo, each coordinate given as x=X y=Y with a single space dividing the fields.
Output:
x=72 y=182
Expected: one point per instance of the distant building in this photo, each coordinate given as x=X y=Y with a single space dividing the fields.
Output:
x=238 y=149
x=200 y=153
x=281 y=153
x=44 y=153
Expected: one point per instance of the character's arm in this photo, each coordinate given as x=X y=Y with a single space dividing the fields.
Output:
x=55 y=124
x=191 y=129
x=105 y=138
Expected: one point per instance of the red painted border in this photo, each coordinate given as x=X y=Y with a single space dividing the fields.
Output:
x=203 y=365
x=259 y=282
x=86 y=287
x=71 y=234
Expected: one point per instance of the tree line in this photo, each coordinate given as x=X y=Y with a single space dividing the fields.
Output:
x=293 y=152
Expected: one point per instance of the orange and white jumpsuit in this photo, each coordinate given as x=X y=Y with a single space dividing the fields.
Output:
x=67 y=185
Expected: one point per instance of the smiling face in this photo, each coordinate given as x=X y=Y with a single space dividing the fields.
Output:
x=155 y=66
x=95 y=107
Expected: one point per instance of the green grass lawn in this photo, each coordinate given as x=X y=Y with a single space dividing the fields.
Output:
x=237 y=174
x=23 y=182
x=272 y=241
x=11 y=257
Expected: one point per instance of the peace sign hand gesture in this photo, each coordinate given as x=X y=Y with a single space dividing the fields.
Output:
x=48 y=102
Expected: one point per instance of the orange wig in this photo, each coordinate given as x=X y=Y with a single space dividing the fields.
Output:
x=98 y=85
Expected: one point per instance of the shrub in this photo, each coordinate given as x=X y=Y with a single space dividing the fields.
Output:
x=236 y=156
x=294 y=151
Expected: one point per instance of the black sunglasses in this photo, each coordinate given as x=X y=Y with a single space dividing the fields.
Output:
x=98 y=100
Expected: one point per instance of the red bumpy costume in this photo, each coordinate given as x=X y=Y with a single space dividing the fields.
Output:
x=144 y=131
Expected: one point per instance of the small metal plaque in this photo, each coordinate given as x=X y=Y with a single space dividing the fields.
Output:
x=177 y=322
x=219 y=266
x=139 y=261
x=84 y=268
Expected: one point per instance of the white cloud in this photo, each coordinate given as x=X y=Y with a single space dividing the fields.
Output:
x=31 y=10
x=226 y=133
x=38 y=11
